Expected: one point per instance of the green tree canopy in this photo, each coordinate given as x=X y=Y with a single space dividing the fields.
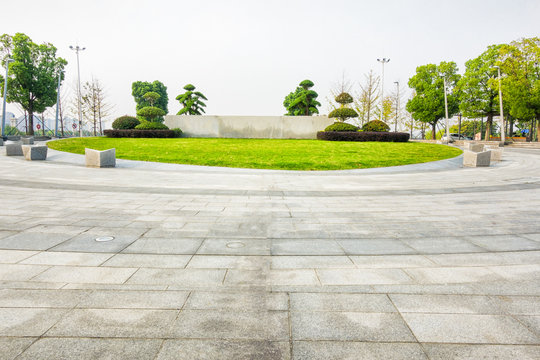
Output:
x=191 y=101
x=140 y=88
x=428 y=103
x=302 y=101
x=33 y=75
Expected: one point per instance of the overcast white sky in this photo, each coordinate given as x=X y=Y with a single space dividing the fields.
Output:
x=246 y=56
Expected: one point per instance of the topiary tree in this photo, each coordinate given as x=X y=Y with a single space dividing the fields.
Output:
x=191 y=101
x=141 y=88
x=341 y=126
x=302 y=101
x=376 y=126
x=151 y=113
x=125 y=122
x=343 y=112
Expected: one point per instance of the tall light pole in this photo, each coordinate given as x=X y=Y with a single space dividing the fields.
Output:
x=446 y=112
x=57 y=105
x=8 y=60
x=397 y=105
x=501 y=105
x=382 y=61
x=77 y=49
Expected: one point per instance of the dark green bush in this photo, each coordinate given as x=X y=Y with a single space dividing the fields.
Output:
x=343 y=113
x=148 y=125
x=376 y=126
x=125 y=122
x=177 y=132
x=341 y=126
x=134 y=133
x=363 y=136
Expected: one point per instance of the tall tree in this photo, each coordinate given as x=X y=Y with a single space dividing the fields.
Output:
x=428 y=103
x=33 y=76
x=478 y=97
x=191 y=101
x=94 y=105
x=302 y=101
x=368 y=97
x=140 y=88
x=520 y=67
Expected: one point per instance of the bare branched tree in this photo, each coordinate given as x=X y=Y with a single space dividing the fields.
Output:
x=367 y=99
x=94 y=105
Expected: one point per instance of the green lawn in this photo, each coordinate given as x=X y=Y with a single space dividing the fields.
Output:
x=264 y=153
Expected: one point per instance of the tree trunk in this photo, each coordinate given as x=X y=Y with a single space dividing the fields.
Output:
x=530 y=137
x=434 y=131
x=30 y=128
x=511 y=134
x=489 y=121
x=537 y=130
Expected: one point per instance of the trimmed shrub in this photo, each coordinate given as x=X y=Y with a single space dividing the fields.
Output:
x=134 y=133
x=150 y=113
x=177 y=132
x=125 y=122
x=148 y=125
x=363 y=136
x=344 y=98
x=343 y=113
x=375 y=126
x=341 y=126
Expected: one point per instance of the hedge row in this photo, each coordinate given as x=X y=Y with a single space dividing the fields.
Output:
x=363 y=136
x=134 y=133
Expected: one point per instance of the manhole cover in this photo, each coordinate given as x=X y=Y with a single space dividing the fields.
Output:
x=104 y=238
x=235 y=244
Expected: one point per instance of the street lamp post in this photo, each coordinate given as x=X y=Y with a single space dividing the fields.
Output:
x=57 y=105
x=397 y=105
x=8 y=60
x=77 y=49
x=501 y=106
x=382 y=61
x=446 y=112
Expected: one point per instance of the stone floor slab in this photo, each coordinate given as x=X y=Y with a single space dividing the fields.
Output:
x=164 y=246
x=184 y=277
x=27 y=321
x=481 y=352
x=133 y=299
x=13 y=346
x=33 y=240
x=67 y=258
x=249 y=301
x=340 y=350
x=362 y=276
x=95 y=275
x=341 y=302
x=148 y=260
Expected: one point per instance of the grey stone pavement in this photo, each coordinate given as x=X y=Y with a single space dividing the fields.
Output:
x=430 y=261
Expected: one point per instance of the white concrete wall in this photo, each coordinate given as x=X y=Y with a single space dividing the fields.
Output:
x=263 y=127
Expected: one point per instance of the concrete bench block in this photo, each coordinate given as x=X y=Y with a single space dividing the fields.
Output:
x=96 y=158
x=1 y=141
x=27 y=140
x=476 y=159
x=474 y=147
x=496 y=152
x=14 y=149
x=35 y=152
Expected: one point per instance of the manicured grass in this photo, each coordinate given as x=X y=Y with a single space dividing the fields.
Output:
x=264 y=153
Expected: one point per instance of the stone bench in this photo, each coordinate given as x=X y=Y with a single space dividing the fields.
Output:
x=34 y=152
x=96 y=158
x=14 y=149
x=27 y=140
x=476 y=159
x=1 y=141
x=474 y=147
x=496 y=152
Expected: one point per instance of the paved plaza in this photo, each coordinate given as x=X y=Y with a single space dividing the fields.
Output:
x=430 y=261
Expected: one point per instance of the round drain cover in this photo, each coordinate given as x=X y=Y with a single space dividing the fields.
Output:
x=235 y=244
x=104 y=238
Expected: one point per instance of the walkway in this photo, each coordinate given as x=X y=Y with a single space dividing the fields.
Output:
x=428 y=261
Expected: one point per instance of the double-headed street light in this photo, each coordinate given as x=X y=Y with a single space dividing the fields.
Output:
x=397 y=105
x=77 y=49
x=382 y=61
x=446 y=113
x=8 y=60
x=501 y=106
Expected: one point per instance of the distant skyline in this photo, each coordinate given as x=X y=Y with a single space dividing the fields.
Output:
x=246 y=56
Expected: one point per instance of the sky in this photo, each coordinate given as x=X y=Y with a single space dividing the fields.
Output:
x=247 y=55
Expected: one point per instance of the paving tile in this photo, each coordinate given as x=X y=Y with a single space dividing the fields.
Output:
x=532 y=323
x=33 y=240
x=41 y=298
x=486 y=259
x=148 y=260
x=311 y=262
x=66 y=258
x=96 y=275
x=92 y=349
x=445 y=275
x=519 y=305
x=164 y=246
x=504 y=243
x=339 y=350
x=481 y=352
x=185 y=277
x=517 y=272
x=246 y=300
x=224 y=349
x=216 y=324
x=442 y=245
x=13 y=346
x=378 y=246
x=125 y=323
x=134 y=299
x=16 y=272
x=271 y=277
x=362 y=276
x=235 y=247
x=341 y=302
x=452 y=304
x=468 y=328
x=28 y=322
x=86 y=242
x=14 y=256
x=251 y=262
x=306 y=247
x=355 y=326
x=391 y=261
x=58 y=229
